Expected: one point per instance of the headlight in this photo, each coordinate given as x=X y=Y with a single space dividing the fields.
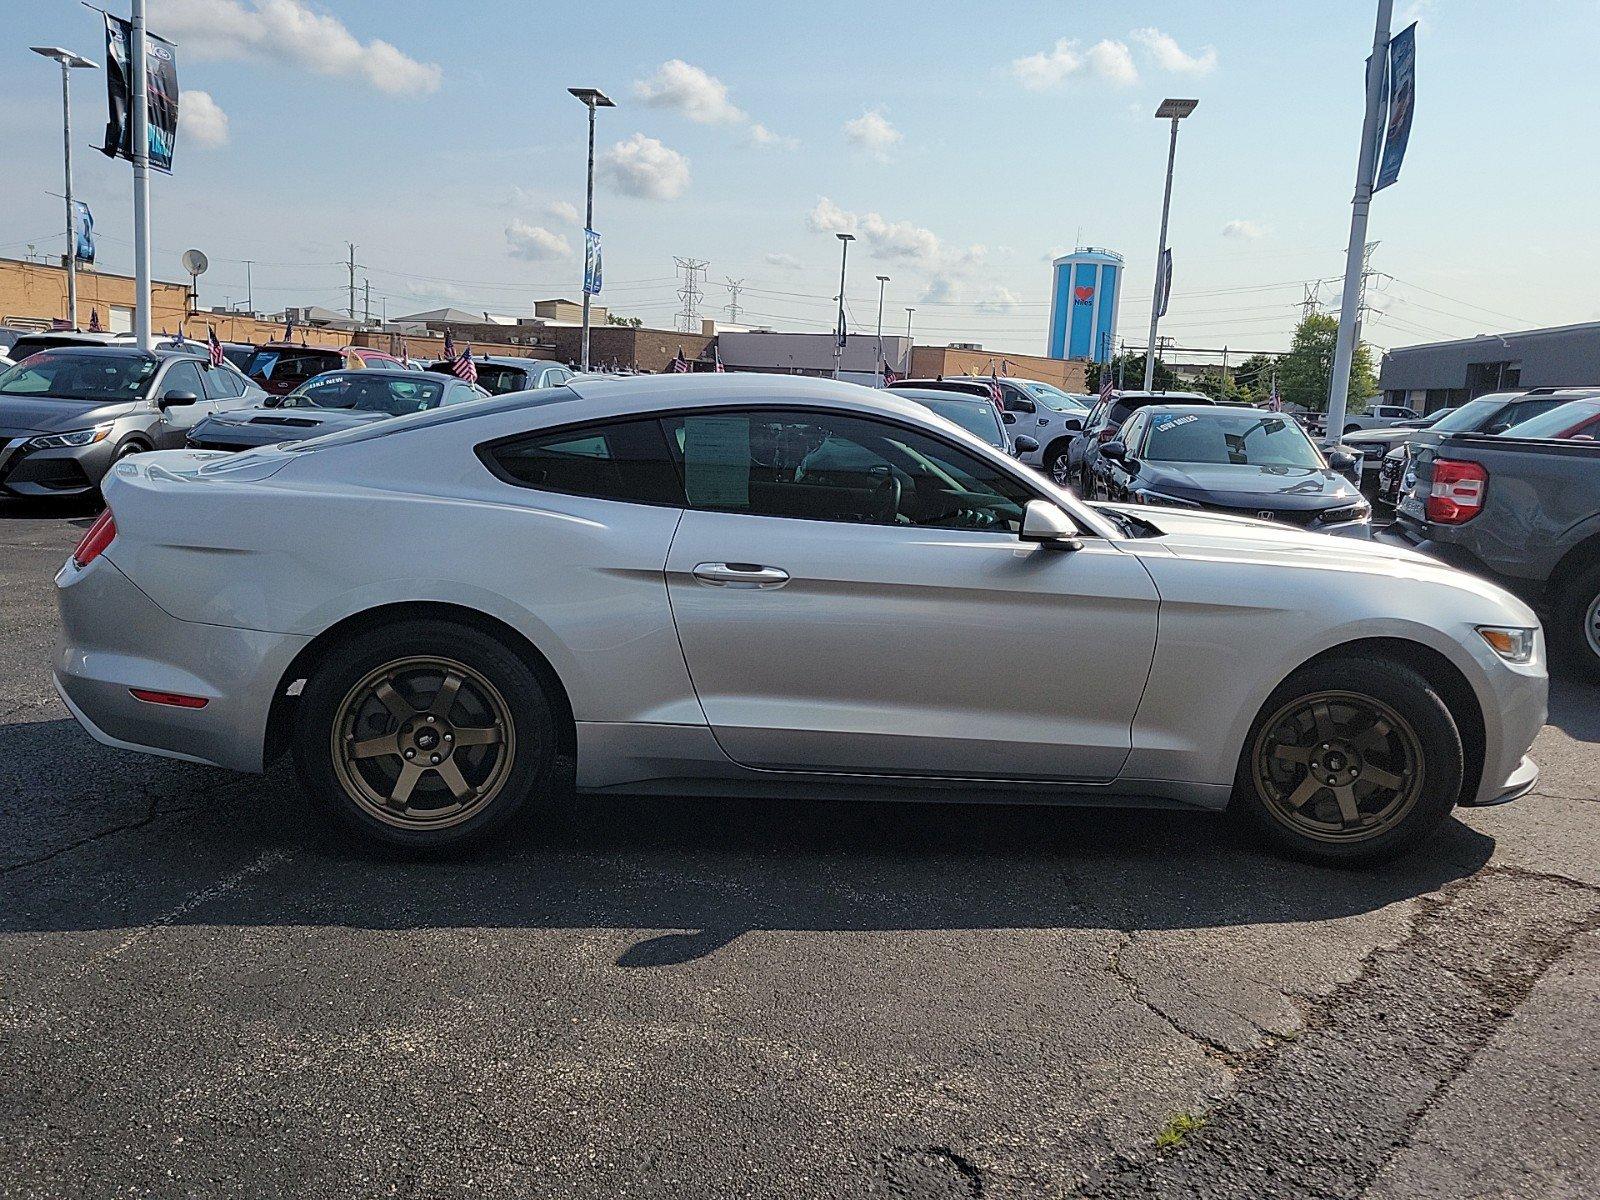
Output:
x=1148 y=497
x=78 y=437
x=1510 y=642
x=1359 y=511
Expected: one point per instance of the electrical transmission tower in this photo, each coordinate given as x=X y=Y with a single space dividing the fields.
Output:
x=732 y=307
x=694 y=270
x=1312 y=304
x=1366 y=274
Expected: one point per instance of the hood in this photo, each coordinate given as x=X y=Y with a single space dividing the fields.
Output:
x=1367 y=437
x=20 y=414
x=266 y=426
x=1285 y=489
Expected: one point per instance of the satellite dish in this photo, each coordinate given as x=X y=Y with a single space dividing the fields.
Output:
x=194 y=262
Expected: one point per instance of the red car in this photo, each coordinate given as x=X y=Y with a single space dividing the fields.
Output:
x=1575 y=421
x=280 y=367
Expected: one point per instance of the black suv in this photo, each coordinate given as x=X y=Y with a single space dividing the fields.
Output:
x=1101 y=425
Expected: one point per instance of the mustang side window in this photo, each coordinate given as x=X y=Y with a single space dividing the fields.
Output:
x=627 y=461
x=825 y=467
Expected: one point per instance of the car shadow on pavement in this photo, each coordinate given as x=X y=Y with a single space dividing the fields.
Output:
x=172 y=844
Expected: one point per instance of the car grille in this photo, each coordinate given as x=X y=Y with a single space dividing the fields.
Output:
x=1297 y=517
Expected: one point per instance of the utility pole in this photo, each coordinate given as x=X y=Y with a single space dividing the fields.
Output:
x=877 y=370
x=352 y=264
x=839 y=330
x=910 y=345
x=249 y=291
x=1175 y=110
x=139 y=101
x=366 y=304
x=732 y=308
x=1355 y=253
x=68 y=61
x=590 y=98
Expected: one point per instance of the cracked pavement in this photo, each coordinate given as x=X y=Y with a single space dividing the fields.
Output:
x=202 y=993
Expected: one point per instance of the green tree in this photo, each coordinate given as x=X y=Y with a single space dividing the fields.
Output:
x=626 y=322
x=1128 y=368
x=1253 y=377
x=1305 y=371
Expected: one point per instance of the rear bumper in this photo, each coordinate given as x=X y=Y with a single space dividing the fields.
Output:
x=115 y=638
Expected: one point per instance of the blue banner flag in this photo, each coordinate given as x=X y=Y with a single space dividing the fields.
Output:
x=591 y=262
x=1164 y=287
x=1402 y=99
x=83 y=232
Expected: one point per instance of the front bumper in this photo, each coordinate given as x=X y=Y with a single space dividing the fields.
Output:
x=63 y=471
x=1518 y=784
x=115 y=638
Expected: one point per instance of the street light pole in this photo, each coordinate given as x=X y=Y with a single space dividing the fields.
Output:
x=877 y=371
x=592 y=99
x=1355 y=256
x=1176 y=110
x=68 y=61
x=909 y=343
x=139 y=101
x=838 y=330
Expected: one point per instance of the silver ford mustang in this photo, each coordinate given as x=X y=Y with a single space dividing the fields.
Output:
x=771 y=585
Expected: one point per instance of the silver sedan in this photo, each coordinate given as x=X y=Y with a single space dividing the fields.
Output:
x=768 y=585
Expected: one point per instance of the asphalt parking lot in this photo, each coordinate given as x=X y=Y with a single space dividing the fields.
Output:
x=202 y=993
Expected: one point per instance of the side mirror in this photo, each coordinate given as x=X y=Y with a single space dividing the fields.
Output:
x=1047 y=525
x=1009 y=418
x=1115 y=450
x=1025 y=444
x=1341 y=460
x=1073 y=424
x=175 y=399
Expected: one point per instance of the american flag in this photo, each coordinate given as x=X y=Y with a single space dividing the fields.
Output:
x=995 y=393
x=288 y=328
x=462 y=366
x=1274 y=401
x=680 y=364
x=890 y=375
x=60 y=323
x=94 y=320
x=449 y=345
x=179 y=342
x=1105 y=381
x=716 y=358
x=214 y=345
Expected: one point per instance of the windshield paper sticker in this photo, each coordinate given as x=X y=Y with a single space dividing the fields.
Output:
x=1174 y=422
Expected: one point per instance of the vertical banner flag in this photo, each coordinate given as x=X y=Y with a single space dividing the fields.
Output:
x=591 y=262
x=161 y=81
x=839 y=334
x=83 y=232
x=1166 y=282
x=1402 y=99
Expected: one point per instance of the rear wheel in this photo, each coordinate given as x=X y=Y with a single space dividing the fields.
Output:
x=1575 y=623
x=1057 y=463
x=424 y=735
x=1350 y=761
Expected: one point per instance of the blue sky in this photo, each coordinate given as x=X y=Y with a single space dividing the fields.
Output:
x=963 y=143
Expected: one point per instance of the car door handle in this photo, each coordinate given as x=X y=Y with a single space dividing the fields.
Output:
x=740 y=575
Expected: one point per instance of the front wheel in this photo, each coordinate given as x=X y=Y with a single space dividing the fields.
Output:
x=1575 y=623
x=424 y=735
x=1057 y=463
x=1350 y=761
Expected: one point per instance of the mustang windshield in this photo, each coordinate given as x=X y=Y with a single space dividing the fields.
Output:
x=63 y=375
x=1234 y=439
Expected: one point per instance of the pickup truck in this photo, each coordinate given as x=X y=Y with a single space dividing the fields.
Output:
x=1526 y=513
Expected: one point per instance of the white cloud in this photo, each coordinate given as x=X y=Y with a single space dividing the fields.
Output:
x=1248 y=230
x=1169 y=56
x=998 y=301
x=535 y=243
x=884 y=238
x=787 y=261
x=941 y=289
x=563 y=211
x=1051 y=68
x=767 y=140
x=643 y=167
x=201 y=120
x=871 y=133
x=291 y=33
x=686 y=89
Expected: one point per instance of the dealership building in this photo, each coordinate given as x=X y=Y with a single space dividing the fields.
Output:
x=1441 y=374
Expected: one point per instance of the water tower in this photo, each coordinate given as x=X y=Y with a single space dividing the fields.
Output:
x=1085 y=288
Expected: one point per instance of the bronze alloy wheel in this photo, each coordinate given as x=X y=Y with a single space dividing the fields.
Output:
x=1338 y=766
x=423 y=743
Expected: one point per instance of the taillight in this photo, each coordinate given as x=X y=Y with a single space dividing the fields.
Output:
x=1457 y=492
x=96 y=540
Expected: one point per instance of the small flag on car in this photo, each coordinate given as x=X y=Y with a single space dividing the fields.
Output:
x=449 y=345
x=716 y=359
x=463 y=367
x=680 y=364
x=1106 y=389
x=890 y=375
x=994 y=388
x=94 y=321
x=214 y=345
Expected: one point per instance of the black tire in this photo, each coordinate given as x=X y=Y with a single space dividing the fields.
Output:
x=524 y=780
x=1047 y=461
x=1439 y=763
x=1575 y=640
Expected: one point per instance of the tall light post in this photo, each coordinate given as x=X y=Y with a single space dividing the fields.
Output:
x=592 y=99
x=139 y=102
x=1174 y=110
x=909 y=343
x=68 y=61
x=1355 y=254
x=839 y=331
x=877 y=371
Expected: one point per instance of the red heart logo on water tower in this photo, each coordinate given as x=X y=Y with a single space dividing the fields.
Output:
x=1083 y=294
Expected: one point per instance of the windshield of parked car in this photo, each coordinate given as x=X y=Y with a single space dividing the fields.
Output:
x=1556 y=421
x=1053 y=397
x=288 y=364
x=1234 y=439
x=1472 y=414
x=63 y=375
x=367 y=391
x=497 y=379
x=977 y=417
